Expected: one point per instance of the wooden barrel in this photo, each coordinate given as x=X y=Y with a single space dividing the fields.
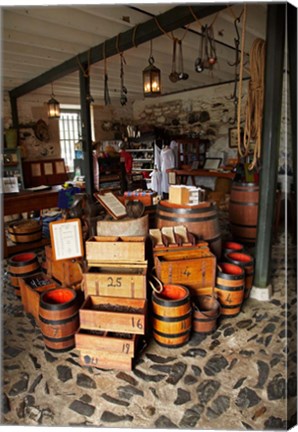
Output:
x=243 y=211
x=21 y=265
x=206 y=310
x=201 y=220
x=247 y=263
x=171 y=319
x=59 y=318
x=230 y=280
x=231 y=246
x=25 y=231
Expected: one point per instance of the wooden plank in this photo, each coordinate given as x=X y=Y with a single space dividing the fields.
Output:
x=122 y=250
x=117 y=264
x=105 y=360
x=131 y=319
x=108 y=342
x=30 y=294
x=119 y=282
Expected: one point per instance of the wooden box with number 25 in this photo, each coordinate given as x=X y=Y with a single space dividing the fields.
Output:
x=122 y=282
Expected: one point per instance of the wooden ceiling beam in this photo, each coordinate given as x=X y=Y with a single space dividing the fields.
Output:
x=166 y=22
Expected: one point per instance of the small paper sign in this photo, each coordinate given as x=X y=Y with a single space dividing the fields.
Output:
x=66 y=239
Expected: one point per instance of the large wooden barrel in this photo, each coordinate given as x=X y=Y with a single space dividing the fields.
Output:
x=172 y=318
x=206 y=310
x=247 y=263
x=243 y=211
x=22 y=265
x=59 y=318
x=201 y=220
x=230 y=280
x=25 y=231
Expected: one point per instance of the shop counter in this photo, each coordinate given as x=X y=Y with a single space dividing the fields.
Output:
x=26 y=201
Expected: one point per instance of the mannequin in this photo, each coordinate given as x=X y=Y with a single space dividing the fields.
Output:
x=156 y=180
x=125 y=157
x=167 y=161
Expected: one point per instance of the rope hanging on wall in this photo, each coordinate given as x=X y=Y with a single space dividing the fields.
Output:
x=255 y=98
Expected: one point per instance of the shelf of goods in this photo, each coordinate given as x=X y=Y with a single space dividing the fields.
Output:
x=109 y=173
x=12 y=164
x=191 y=150
x=142 y=150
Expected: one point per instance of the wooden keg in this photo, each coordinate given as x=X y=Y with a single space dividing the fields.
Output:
x=21 y=265
x=230 y=280
x=206 y=310
x=25 y=231
x=59 y=318
x=171 y=319
x=201 y=220
x=231 y=246
x=247 y=263
x=243 y=211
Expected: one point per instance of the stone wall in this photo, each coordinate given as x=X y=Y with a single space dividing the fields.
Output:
x=201 y=113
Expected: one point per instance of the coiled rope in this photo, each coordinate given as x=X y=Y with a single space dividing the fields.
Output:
x=255 y=99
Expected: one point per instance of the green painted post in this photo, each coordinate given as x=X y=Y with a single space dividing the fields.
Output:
x=270 y=142
x=86 y=131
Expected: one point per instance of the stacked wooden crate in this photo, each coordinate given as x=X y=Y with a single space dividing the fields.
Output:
x=113 y=315
x=180 y=258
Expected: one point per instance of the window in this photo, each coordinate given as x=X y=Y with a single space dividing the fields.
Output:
x=70 y=133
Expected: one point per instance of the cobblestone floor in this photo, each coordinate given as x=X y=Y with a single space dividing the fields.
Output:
x=243 y=376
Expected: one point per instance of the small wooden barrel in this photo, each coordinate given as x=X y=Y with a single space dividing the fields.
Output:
x=25 y=231
x=20 y=266
x=201 y=220
x=231 y=246
x=247 y=263
x=171 y=316
x=206 y=310
x=243 y=211
x=59 y=318
x=229 y=288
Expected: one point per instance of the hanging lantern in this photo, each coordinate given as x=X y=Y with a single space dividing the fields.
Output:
x=151 y=77
x=53 y=107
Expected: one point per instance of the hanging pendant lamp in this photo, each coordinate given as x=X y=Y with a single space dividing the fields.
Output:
x=151 y=77
x=53 y=107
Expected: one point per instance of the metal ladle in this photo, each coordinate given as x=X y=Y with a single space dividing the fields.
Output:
x=174 y=76
x=199 y=66
x=182 y=75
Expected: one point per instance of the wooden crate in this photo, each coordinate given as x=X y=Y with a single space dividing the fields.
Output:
x=118 y=282
x=124 y=250
x=103 y=341
x=68 y=271
x=116 y=314
x=195 y=267
x=105 y=360
x=30 y=291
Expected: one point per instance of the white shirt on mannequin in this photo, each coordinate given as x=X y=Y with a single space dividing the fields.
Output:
x=167 y=161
